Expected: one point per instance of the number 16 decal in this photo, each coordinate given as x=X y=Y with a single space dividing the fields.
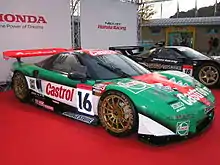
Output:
x=84 y=101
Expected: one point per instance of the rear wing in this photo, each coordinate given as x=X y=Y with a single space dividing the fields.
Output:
x=18 y=54
x=140 y=48
x=128 y=50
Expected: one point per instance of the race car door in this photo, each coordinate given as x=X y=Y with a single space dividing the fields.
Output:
x=164 y=59
x=58 y=86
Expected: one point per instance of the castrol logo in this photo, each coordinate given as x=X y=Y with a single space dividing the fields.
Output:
x=195 y=95
x=60 y=92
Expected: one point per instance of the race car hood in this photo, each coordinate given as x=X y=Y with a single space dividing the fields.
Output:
x=216 y=58
x=159 y=93
x=168 y=87
x=207 y=58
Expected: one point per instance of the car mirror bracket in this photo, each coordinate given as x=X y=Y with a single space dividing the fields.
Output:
x=77 y=76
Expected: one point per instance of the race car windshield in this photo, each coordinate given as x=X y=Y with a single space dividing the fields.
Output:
x=104 y=67
x=190 y=53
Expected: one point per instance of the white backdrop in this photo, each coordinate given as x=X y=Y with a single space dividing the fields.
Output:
x=107 y=23
x=19 y=31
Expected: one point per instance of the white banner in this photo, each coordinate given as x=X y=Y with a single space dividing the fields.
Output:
x=33 y=24
x=107 y=23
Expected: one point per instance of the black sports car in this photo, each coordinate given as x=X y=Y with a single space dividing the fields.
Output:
x=204 y=68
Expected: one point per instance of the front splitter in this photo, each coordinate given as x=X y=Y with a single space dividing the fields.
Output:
x=164 y=140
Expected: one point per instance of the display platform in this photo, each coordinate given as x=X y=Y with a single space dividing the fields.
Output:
x=32 y=136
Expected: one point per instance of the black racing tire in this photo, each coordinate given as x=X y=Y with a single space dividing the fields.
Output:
x=20 y=87
x=200 y=74
x=117 y=106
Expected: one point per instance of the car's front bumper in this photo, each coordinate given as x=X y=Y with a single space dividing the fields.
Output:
x=162 y=140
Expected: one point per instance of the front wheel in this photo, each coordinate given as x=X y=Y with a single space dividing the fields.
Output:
x=208 y=75
x=20 y=87
x=117 y=114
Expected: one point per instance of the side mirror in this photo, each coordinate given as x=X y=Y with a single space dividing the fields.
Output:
x=79 y=73
x=77 y=76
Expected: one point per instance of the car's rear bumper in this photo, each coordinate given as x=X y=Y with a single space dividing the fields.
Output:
x=162 y=140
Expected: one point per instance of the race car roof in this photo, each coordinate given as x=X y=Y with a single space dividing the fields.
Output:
x=96 y=52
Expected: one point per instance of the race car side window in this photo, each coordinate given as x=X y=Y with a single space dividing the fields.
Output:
x=174 y=54
x=46 y=62
x=167 y=54
x=65 y=63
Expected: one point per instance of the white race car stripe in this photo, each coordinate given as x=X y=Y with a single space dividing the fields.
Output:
x=149 y=127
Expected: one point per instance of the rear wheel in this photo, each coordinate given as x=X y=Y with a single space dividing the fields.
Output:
x=208 y=75
x=20 y=87
x=117 y=114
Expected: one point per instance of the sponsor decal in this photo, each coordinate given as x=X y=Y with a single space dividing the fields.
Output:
x=164 y=60
x=179 y=106
x=188 y=69
x=207 y=89
x=84 y=99
x=135 y=86
x=32 y=83
x=37 y=52
x=179 y=82
x=112 y=26
x=163 y=66
x=59 y=91
x=99 y=88
x=154 y=78
x=194 y=95
x=22 y=18
x=187 y=94
x=182 y=128
x=42 y=104
x=160 y=86
x=37 y=94
x=79 y=117
x=21 y=21
x=182 y=117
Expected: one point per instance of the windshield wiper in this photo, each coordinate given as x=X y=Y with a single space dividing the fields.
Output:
x=115 y=70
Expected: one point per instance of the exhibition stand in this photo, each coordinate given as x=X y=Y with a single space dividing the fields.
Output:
x=30 y=135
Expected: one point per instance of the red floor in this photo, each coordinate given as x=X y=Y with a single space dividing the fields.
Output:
x=30 y=136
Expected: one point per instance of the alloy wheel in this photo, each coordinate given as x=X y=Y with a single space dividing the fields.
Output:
x=209 y=75
x=116 y=114
x=20 y=86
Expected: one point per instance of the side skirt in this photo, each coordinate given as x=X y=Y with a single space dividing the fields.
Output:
x=62 y=109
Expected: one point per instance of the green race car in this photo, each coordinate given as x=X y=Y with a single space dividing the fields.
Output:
x=105 y=87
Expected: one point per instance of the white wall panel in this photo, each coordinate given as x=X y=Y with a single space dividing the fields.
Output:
x=107 y=23
x=19 y=32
